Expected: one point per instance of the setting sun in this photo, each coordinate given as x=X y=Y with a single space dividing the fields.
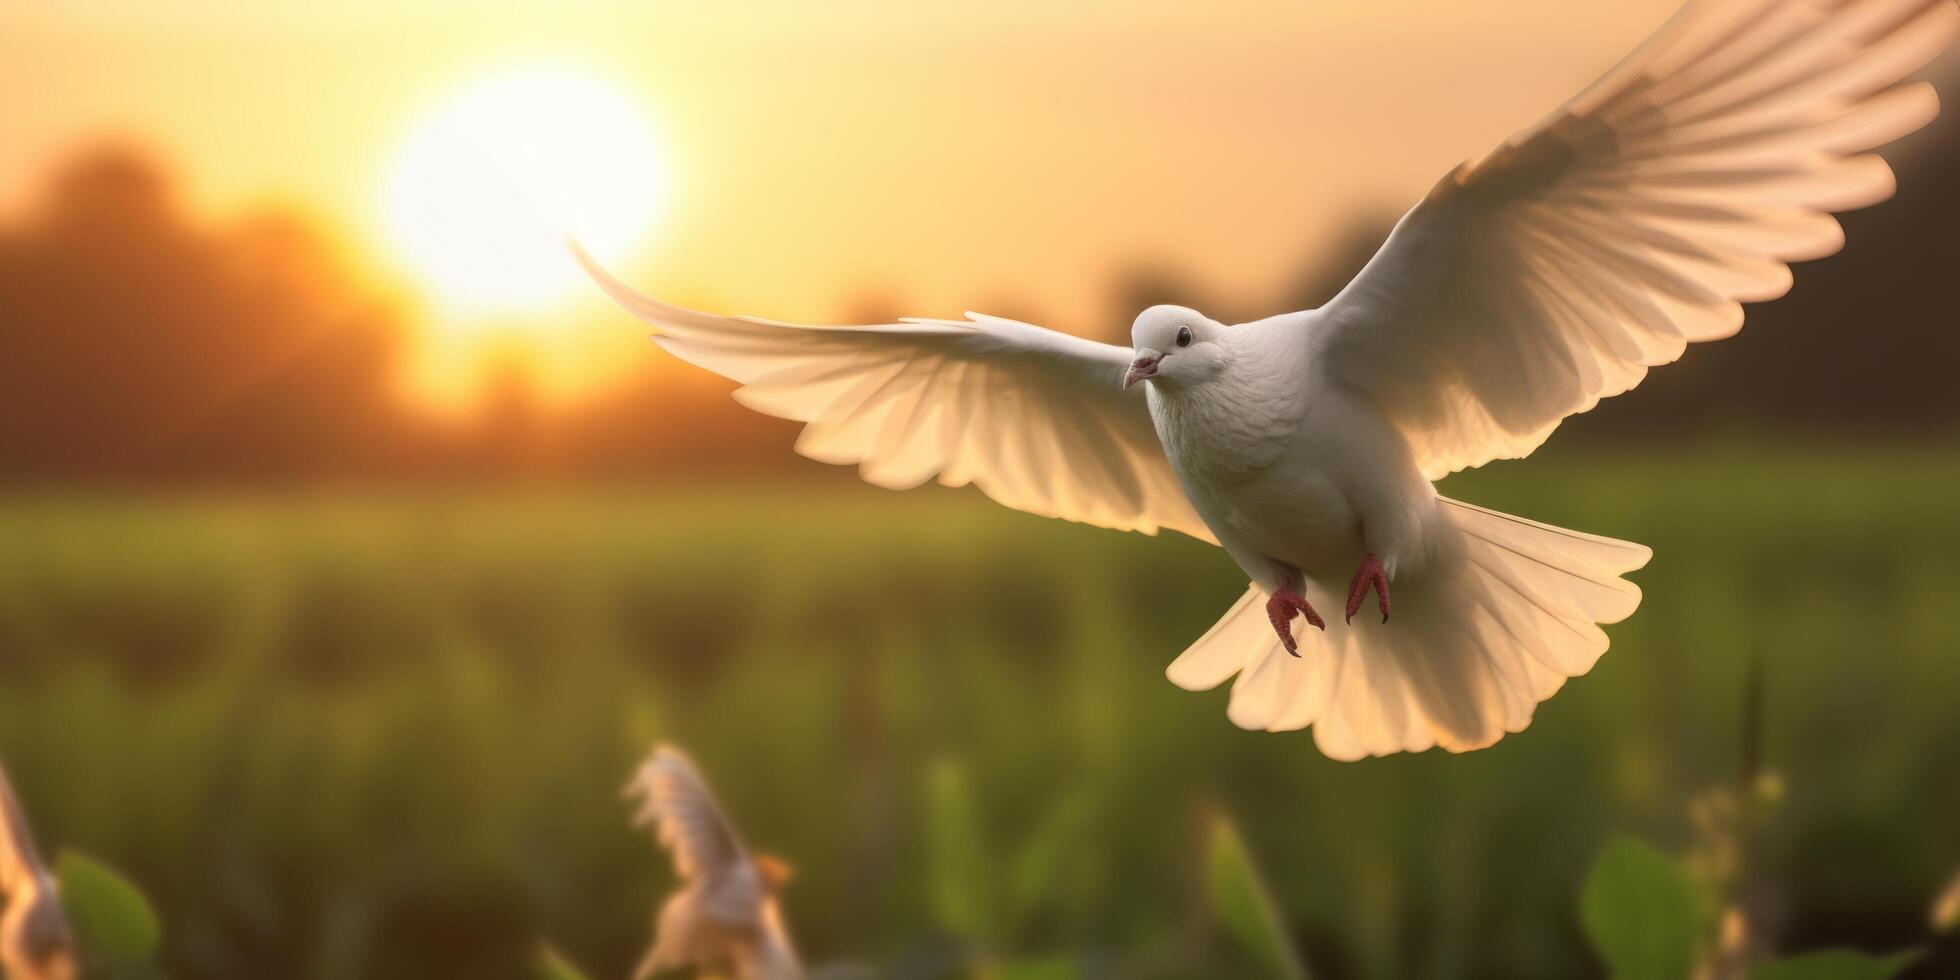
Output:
x=485 y=188
x=382 y=595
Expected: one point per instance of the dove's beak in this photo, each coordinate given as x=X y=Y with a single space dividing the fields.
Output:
x=1145 y=366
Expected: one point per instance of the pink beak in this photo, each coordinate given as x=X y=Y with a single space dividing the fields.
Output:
x=1145 y=366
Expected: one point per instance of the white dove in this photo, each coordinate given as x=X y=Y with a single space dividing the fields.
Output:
x=1522 y=289
x=35 y=942
x=725 y=917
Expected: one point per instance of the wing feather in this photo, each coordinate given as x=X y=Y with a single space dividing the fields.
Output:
x=1034 y=418
x=1634 y=220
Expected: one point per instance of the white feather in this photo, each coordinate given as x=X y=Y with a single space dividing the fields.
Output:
x=1554 y=272
x=1495 y=623
x=1631 y=221
x=1034 y=418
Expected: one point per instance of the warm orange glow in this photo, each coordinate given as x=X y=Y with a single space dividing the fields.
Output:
x=915 y=158
x=486 y=188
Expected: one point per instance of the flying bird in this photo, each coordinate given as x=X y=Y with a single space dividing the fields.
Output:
x=1523 y=288
x=725 y=918
x=35 y=942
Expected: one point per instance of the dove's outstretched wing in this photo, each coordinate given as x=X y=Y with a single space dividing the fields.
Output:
x=1036 y=419
x=1632 y=221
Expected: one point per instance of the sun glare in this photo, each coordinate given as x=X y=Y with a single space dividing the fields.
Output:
x=483 y=192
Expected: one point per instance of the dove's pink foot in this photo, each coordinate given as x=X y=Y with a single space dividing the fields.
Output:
x=1371 y=574
x=1280 y=609
x=1287 y=600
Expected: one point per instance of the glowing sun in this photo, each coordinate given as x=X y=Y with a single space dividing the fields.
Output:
x=481 y=195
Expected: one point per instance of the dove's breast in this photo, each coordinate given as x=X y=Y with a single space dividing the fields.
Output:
x=1234 y=445
x=1275 y=470
x=1228 y=429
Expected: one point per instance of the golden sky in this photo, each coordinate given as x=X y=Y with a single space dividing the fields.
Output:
x=1010 y=155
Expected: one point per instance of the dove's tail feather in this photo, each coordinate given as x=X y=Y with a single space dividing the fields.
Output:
x=1497 y=619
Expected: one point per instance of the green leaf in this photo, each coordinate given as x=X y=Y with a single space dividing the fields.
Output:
x=112 y=920
x=1836 y=964
x=1050 y=968
x=1644 y=916
x=956 y=860
x=552 y=965
x=1043 y=863
x=1240 y=902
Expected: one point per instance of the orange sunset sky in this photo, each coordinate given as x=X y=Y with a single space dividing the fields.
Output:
x=1009 y=155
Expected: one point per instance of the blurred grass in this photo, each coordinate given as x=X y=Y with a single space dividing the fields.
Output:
x=383 y=734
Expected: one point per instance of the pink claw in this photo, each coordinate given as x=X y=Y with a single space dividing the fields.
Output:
x=1280 y=609
x=1371 y=574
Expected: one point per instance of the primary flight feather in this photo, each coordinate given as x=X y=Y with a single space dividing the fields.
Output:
x=1524 y=287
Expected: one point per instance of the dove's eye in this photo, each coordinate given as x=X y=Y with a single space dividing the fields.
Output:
x=1184 y=336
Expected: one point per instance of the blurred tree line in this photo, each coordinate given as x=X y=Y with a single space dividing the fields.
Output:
x=143 y=346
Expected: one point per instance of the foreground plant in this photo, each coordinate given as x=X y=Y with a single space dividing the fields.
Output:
x=1649 y=919
x=82 y=919
x=1242 y=905
x=1652 y=917
x=116 y=931
x=1002 y=900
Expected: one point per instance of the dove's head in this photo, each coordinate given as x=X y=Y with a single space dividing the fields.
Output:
x=1175 y=346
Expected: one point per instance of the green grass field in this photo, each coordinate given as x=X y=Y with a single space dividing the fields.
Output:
x=367 y=735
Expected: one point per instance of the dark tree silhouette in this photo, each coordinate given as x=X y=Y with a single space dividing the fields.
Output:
x=142 y=346
x=1868 y=339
